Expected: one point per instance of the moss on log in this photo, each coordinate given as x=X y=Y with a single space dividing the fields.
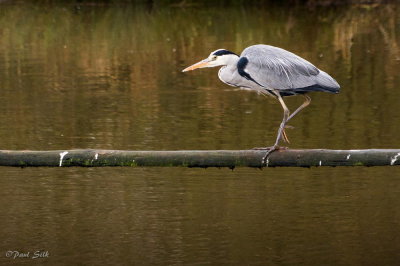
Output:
x=215 y=158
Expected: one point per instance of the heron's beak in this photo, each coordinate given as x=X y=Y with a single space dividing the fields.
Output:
x=201 y=64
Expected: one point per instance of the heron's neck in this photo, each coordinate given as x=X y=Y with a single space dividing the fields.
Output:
x=230 y=64
x=230 y=60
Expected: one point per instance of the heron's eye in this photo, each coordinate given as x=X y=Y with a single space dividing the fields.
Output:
x=214 y=57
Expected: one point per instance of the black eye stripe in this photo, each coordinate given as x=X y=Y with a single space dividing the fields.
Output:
x=223 y=52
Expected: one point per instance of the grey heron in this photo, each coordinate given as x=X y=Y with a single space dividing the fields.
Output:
x=271 y=71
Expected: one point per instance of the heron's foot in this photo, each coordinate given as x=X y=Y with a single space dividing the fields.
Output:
x=271 y=150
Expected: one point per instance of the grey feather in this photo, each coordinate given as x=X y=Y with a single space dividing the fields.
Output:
x=276 y=68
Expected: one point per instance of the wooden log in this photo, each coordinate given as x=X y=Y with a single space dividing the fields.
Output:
x=214 y=158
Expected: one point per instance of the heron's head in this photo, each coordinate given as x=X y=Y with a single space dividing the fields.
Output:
x=220 y=57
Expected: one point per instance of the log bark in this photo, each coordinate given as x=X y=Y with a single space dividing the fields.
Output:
x=204 y=159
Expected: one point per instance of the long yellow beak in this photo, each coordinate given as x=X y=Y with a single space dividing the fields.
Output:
x=202 y=63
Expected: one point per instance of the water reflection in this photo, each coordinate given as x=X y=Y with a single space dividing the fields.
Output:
x=110 y=77
x=114 y=74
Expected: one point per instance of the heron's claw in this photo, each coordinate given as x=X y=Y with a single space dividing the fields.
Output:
x=271 y=150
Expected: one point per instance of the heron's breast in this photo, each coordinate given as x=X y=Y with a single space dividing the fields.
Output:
x=230 y=76
x=227 y=76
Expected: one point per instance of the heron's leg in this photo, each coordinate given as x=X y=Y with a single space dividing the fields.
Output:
x=301 y=107
x=286 y=116
x=284 y=135
x=281 y=129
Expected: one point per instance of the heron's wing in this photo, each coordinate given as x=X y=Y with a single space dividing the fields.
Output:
x=276 y=68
